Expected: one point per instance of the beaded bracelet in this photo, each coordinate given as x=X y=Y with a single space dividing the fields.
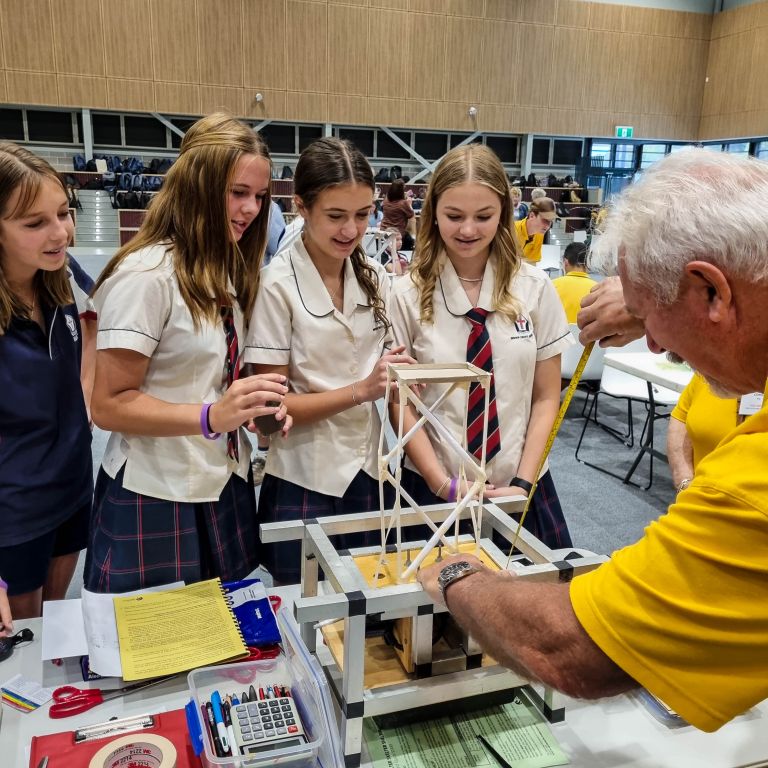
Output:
x=205 y=424
x=439 y=491
x=3 y=585
x=518 y=482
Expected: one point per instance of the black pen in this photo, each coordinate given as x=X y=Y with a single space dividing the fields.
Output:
x=499 y=759
x=215 y=741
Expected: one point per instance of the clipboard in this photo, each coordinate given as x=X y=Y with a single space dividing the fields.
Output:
x=74 y=749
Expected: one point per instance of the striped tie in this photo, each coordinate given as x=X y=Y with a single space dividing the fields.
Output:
x=233 y=372
x=479 y=353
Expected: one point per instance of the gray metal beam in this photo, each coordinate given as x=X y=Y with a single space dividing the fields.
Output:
x=168 y=124
x=261 y=125
x=87 y=136
x=431 y=167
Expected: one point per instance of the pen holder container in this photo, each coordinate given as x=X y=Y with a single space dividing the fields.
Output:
x=294 y=669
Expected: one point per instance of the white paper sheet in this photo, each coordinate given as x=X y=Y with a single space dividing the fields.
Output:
x=63 y=630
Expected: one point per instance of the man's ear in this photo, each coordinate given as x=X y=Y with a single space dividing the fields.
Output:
x=710 y=284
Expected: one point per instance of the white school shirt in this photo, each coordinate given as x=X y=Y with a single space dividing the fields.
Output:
x=295 y=323
x=140 y=308
x=540 y=333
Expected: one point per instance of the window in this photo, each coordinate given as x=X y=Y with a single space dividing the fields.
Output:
x=457 y=138
x=431 y=146
x=600 y=155
x=50 y=126
x=651 y=153
x=761 y=150
x=145 y=132
x=567 y=151
x=387 y=147
x=280 y=138
x=12 y=124
x=737 y=148
x=362 y=139
x=182 y=125
x=540 y=152
x=106 y=130
x=677 y=147
x=308 y=134
x=504 y=146
x=625 y=156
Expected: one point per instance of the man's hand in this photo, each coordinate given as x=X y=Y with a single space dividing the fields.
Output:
x=604 y=317
x=428 y=576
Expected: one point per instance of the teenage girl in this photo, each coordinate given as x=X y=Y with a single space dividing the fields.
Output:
x=468 y=278
x=321 y=321
x=46 y=475
x=173 y=498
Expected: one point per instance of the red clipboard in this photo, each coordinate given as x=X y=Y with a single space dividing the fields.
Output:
x=64 y=752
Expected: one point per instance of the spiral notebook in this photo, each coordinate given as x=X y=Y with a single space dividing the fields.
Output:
x=250 y=603
x=163 y=633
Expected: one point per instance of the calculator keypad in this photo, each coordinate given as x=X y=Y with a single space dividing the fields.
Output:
x=262 y=721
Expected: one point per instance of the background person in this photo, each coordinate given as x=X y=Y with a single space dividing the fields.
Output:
x=46 y=473
x=467 y=272
x=398 y=212
x=575 y=284
x=531 y=231
x=6 y=619
x=174 y=499
x=520 y=209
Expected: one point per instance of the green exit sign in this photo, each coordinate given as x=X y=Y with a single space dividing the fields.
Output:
x=624 y=131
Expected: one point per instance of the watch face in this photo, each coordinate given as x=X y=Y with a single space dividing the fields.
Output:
x=450 y=572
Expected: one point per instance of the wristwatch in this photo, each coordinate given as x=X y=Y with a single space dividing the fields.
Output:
x=453 y=572
x=683 y=484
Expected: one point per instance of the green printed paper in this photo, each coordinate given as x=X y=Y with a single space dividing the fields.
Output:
x=516 y=730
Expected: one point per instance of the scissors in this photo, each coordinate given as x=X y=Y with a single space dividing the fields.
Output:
x=68 y=700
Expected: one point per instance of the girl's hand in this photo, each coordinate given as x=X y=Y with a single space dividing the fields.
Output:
x=375 y=384
x=507 y=490
x=281 y=415
x=248 y=398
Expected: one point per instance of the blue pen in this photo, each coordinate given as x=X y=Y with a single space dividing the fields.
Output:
x=218 y=717
x=235 y=700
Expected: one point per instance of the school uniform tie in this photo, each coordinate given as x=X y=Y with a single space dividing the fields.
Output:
x=479 y=353
x=233 y=372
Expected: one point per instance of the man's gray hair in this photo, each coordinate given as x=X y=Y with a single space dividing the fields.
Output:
x=693 y=205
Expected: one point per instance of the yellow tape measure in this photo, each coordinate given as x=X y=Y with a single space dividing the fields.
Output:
x=552 y=435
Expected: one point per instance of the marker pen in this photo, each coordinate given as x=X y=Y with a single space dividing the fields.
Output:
x=218 y=716
x=230 y=727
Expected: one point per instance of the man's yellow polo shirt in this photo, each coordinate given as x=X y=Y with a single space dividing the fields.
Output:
x=684 y=611
x=571 y=289
x=530 y=244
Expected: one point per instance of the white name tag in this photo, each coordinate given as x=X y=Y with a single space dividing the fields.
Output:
x=749 y=404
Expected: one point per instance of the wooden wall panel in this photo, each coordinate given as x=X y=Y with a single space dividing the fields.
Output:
x=536 y=42
x=118 y=17
x=271 y=107
x=425 y=71
x=174 y=41
x=178 y=98
x=132 y=95
x=218 y=97
x=507 y=10
x=32 y=88
x=78 y=37
x=608 y=18
x=220 y=30
x=573 y=67
x=3 y=88
x=464 y=41
x=397 y=5
x=307 y=43
x=79 y=91
x=348 y=32
x=500 y=78
x=19 y=16
x=449 y=7
x=310 y=107
x=389 y=71
x=572 y=13
x=540 y=11
x=266 y=54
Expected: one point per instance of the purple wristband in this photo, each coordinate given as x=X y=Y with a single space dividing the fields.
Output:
x=453 y=488
x=3 y=585
x=205 y=425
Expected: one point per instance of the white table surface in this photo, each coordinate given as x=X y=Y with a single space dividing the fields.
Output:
x=611 y=733
x=654 y=368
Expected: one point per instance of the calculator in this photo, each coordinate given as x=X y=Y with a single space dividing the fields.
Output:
x=267 y=724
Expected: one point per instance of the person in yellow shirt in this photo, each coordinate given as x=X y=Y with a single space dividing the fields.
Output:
x=575 y=284
x=682 y=612
x=532 y=229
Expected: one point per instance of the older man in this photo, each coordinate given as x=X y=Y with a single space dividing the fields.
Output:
x=684 y=611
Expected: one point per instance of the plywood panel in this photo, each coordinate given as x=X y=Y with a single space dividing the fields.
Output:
x=572 y=62
x=348 y=50
x=714 y=89
x=540 y=11
x=311 y=107
x=604 y=50
x=536 y=42
x=449 y=7
x=641 y=21
x=696 y=25
x=220 y=41
x=174 y=41
x=426 y=60
x=499 y=79
x=219 y=97
x=307 y=33
x=19 y=16
x=271 y=107
x=397 y=5
x=736 y=20
x=119 y=17
x=508 y=10
x=509 y=119
x=756 y=97
x=464 y=41
x=32 y=88
x=361 y=110
x=431 y=114
x=138 y=95
x=608 y=18
x=178 y=98
x=692 y=67
x=82 y=91
x=389 y=72
x=362 y=3
x=266 y=51
x=3 y=88
x=572 y=13
x=78 y=38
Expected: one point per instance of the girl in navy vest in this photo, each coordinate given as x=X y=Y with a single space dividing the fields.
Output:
x=46 y=476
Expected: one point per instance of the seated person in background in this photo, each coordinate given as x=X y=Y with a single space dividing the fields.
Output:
x=520 y=209
x=532 y=229
x=394 y=261
x=700 y=420
x=575 y=284
x=537 y=193
x=375 y=215
x=397 y=212
x=275 y=231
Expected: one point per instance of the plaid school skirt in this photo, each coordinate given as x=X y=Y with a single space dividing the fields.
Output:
x=545 y=518
x=138 y=541
x=281 y=501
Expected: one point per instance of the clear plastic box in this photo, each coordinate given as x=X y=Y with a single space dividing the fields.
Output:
x=294 y=668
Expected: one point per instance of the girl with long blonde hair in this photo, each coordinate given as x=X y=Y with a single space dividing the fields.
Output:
x=470 y=297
